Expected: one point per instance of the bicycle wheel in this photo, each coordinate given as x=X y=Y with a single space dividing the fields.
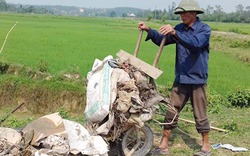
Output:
x=137 y=142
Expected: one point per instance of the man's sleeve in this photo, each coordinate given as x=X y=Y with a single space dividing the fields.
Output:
x=156 y=37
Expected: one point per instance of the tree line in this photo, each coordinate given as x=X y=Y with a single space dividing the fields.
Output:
x=212 y=13
x=4 y=7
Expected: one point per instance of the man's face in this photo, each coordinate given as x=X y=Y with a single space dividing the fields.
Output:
x=188 y=18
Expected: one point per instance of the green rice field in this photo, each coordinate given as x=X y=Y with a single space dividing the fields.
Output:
x=73 y=43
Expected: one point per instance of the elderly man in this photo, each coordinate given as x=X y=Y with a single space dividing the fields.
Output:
x=191 y=70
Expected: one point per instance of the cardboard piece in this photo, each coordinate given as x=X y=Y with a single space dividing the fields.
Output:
x=139 y=64
x=45 y=126
x=12 y=136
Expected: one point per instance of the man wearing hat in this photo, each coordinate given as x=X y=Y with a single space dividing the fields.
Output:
x=191 y=70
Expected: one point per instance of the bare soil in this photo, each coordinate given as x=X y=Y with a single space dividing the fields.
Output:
x=40 y=100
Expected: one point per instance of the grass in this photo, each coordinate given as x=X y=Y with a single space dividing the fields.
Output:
x=185 y=140
x=73 y=43
x=63 y=44
x=227 y=73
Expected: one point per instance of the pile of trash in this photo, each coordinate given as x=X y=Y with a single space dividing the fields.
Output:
x=118 y=97
x=130 y=100
x=51 y=135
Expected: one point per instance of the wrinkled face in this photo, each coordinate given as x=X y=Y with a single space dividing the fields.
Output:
x=188 y=18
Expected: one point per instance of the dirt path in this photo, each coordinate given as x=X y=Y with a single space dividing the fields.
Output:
x=231 y=35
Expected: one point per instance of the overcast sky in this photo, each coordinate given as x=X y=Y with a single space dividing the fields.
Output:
x=227 y=5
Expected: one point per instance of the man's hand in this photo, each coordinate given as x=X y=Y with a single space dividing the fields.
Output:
x=143 y=26
x=167 y=29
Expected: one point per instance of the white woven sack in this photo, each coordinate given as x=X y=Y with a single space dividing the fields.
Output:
x=98 y=90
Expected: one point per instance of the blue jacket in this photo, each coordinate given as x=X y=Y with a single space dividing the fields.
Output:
x=192 y=51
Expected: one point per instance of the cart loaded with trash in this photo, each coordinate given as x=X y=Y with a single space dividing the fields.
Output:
x=121 y=98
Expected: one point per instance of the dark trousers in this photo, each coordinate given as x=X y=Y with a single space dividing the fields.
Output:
x=180 y=94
